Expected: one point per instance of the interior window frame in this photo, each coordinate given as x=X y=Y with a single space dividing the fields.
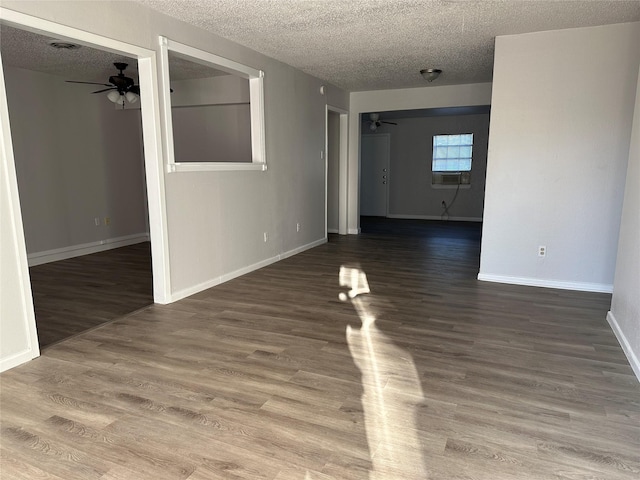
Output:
x=256 y=96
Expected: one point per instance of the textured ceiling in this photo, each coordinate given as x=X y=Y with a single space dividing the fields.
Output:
x=354 y=44
x=379 y=44
x=28 y=50
x=32 y=51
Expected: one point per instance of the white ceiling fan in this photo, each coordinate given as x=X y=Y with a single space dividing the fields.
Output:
x=375 y=122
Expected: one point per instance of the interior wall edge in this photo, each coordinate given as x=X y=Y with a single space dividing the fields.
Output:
x=547 y=283
x=72 y=251
x=192 y=290
x=625 y=344
x=16 y=359
x=434 y=217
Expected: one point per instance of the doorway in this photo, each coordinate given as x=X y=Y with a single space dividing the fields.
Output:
x=80 y=171
x=337 y=131
x=374 y=183
x=24 y=342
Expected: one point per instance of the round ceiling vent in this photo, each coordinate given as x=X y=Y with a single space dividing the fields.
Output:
x=62 y=45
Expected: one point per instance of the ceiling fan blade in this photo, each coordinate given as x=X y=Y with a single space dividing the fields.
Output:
x=90 y=83
x=390 y=123
x=104 y=90
x=135 y=89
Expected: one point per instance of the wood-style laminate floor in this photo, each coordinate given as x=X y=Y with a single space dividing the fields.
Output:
x=376 y=356
x=74 y=295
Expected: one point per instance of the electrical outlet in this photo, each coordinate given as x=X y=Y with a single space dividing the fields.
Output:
x=542 y=250
x=265 y=236
x=297 y=227
x=96 y=220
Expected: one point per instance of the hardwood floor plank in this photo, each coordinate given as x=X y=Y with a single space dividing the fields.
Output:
x=71 y=296
x=431 y=375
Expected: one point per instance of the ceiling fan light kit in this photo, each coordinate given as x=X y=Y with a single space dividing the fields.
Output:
x=430 y=74
x=121 y=88
x=114 y=96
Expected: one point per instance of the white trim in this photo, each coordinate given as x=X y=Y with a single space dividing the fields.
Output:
x=9 y=179
x=209 y=59
x=45 y=27
x=343 y=166
x=435 y=217
x=297 y=250
x=150 y=106
x=179 y=295
x=343 y=206
x=541 y=282
x=325 y=156
x=354 y=231
x=624 y=343
x=333 y=230
x=56 y=254
x=256 y=96
x=215 y=166
x=18 y=359
x=156 y=194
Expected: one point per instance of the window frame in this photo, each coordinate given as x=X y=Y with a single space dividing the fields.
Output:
x=463 y=177
x=256 y=98
x=451 y=172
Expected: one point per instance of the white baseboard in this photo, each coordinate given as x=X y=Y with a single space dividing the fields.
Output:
x=17 y=359
x=179 y=295
x=332 y=230
x=301 y=249
x=47 y=256
x=435 y=217
x=624 y=343
x=353 y=231
x=540 y=282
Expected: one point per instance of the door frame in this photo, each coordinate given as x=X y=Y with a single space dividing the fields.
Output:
x=153 y=156
x=343 y=168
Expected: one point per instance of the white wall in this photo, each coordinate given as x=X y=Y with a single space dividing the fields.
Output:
x=76 y=158
x=400 y=99
x=411 y=194
x=558 y=152
x=216 y=220
x=624 y=316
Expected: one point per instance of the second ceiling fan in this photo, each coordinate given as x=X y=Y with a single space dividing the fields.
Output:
x=375 y=122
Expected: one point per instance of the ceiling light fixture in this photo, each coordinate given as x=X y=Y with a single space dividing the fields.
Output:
x=119 y=98
x=430 y=74
x=62 y=45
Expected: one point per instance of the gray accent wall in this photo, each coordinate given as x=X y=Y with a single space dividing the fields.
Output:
x=215 y=221
x=77 y=157
x=411 y=194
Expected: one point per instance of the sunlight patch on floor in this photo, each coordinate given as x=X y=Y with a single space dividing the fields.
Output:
x=390 y=417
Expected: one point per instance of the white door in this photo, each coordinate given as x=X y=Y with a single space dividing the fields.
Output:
x=374 y=174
